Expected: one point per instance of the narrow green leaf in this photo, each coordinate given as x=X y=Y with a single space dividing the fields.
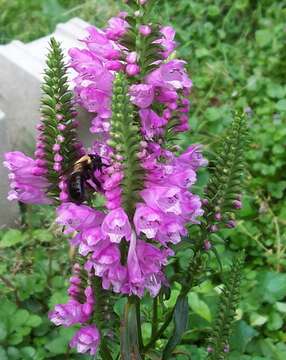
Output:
x=129 y=334
x=181 y=315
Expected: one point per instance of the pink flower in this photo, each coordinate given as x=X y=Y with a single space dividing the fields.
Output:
x=167 y=41
x=191 y=207
x=184 y=178
x=142 y=95
x=132 y=57
x=166 y=199
x=117 y=27
x=70 y=313
x=78 y=217
x=88 y=239
x=100 y=44
x=152 y=123
x=145 y=30
x=26 y=185
x=171 y=230
x=171 y=74
x=165 y=95
x=132 y=69
x=192 y=157
x=116 y=225
x=86 y=340
x=144 y=265
x=93 y=99
x=104 y=257
x=147 y=221
x=115 y=276
x=85 y=61
x=135 y=277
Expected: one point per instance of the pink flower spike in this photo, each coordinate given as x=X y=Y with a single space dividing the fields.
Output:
x=116 y=225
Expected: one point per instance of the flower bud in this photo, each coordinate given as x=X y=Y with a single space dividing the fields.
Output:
x=132 y=57
x=145 y=30
x=132 y=69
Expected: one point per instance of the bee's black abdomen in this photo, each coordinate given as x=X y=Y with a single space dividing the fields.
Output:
x=76 y=188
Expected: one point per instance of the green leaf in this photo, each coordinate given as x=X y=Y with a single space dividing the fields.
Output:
x=15 y=339
x=275 y=91
x=181 y=315
x=43 y=235
x=7 y=308
x=3 y=355
x=275 y=321
x=58 y=297
x=28 y=353
x=271 y=351
x=34 y=321
x=281 y=105
x=199 y=306
x=281 y=307
x=12 y=237
x=13 y=353
x=257 y=319
x=241 y=336
x=263 y=37
x=119 y=306
x=129 y=334
x=20 y=318
x=59 y=345
x=272 y=286
x=3 y=331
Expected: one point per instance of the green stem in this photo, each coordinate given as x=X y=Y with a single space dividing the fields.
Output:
x=155 y=317
x=139 y=329
x=193 y=270
x=160 y=332
x=104 y=351
x=130 y=331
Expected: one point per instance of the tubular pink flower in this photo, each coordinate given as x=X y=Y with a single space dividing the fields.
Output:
x=86 y=340
x=142 y=95
x=152 y=123
x=78 y=217
x=116 y=225
x=27 y=186
x=147 y=221
x=117 y=27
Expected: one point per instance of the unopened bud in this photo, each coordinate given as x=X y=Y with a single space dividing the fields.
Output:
x=145 y=30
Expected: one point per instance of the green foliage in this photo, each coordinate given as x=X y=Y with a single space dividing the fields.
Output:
x=30 y=19
x=34 y=265
x=181 y=315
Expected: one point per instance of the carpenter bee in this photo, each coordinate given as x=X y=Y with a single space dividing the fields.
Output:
x=82 y=171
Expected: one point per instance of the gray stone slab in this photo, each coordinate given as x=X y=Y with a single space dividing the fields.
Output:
x=21 y=71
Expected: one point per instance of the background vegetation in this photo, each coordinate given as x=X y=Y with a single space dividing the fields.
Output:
x=236 y=54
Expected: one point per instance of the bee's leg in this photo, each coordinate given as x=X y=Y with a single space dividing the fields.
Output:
x=90 y=176
x=97 y=183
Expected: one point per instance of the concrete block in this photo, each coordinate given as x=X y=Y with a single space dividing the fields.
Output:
x=21 y=72
x=8 y=209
